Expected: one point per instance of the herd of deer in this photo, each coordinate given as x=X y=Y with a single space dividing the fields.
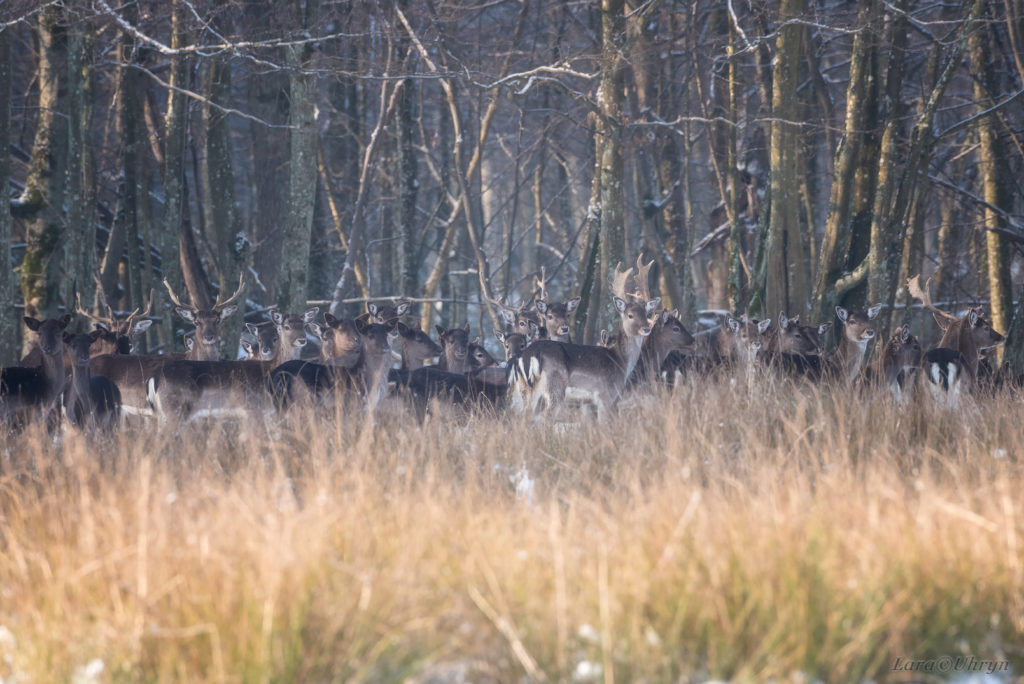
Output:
x=93 y=378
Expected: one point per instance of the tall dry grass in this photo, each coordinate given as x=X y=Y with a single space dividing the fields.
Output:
x=735 y=532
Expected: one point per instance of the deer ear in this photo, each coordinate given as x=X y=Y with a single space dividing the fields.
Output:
x=227 y=312
x=824 y=328
x=973 y=318
x=541 y=306
x=190 y=342
x=361 y=326
x=509 y=316
x=276 y=317
x=251 y=327
x=664 y=317
x=140 y=326
x=330 y=320
x=795 y=320
x=605 y=336
x=905 y=334
x=247 y=347
x=500 y=336
x=842 y=313
x=620 y=305
x=188 y=314
x=402 y=308
x=372 y=308
x=783 y=321
x=762 y=326
x=310 y=315
x=315 y=328
x=941 y=321
x=476 y=340
x=32 y=324
x=467 y=328
x=64 y=321
x=873 y=312
x=571 y=305
x=732 y=324
x=652 y=306
x=441 y=332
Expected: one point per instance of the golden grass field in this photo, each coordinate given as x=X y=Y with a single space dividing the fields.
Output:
x=758 y=533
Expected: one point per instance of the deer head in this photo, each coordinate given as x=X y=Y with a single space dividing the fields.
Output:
x=207 y=321
x=117 y=336
x=513 y=343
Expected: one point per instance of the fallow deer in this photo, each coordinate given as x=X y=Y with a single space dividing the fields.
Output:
x=417 y=346
x=385 y=314
x=898 y=360
x=455 y=346
x=552 y=369
x=90 y=401
x=846 y=362
x=27 y=392
x=207 y=320
x=117 y=336
x=264 y=343
x=512 y=343
x=291 y=333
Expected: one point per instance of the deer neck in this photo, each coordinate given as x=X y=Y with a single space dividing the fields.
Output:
x=56 y=375
x=628 y=348
x=851 y=355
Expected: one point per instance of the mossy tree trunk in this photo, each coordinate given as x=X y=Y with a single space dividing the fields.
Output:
x=8 y=319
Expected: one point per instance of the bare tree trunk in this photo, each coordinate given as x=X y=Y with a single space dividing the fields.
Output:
x=80 y=249
x=292 y=283
x=836 y=242
x=609 y=176
x=995 y=176
x=43 y=197
x=785 y=286
x=230 y=245
x=407 y=276
x=175 y=128
x=8 y=321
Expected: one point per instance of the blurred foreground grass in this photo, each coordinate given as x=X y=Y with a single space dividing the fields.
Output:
x=777 y=532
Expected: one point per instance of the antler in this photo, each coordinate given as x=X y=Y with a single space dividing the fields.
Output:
x=174 y=297
x=619 y=281
x=232 y=298
x=917 y=292
x=541 y=283
x=131 y=317
x=642 y=279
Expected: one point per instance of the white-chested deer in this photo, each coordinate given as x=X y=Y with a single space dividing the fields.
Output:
x=553 y=369
x=893 y=369
x=207 y=320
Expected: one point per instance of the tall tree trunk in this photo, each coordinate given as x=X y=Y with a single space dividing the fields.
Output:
x=609 y=176
x=785 y=286
x=407 y=276
x=80 y=249
x=836 y=242
x=43 y=197
x=175 y=132
x=230 y=244
x=302 y=178
x=8 y=321
x=995 y=175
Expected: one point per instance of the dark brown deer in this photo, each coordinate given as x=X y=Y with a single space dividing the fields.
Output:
x=207 y=321
x=90 y=401
x=512 y=343
x=27 y=393
x=455 y=346
x=264 y=343
x=417 y=346
x=551 y=369
x=117 y=336
x=971 y=334
x=899 y=359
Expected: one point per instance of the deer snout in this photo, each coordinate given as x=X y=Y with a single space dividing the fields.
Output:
x=299 y=342
x=868 y=334
x=564 y=330
x=645 y=331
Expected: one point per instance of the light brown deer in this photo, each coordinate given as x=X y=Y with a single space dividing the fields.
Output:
x=207 y=321
x=553 y=369
x=847 y=361
x=291 y=334
x=417 y=346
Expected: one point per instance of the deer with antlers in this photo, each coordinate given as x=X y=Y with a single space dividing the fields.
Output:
x=116 y=336
x=552 y=369
x=207 y=320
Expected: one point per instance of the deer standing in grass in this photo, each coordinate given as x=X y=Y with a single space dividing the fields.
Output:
x=207 y=320
x=26 y=392
x=553 y=369
x=90 y=401
x=117 y=336
x=858 y=330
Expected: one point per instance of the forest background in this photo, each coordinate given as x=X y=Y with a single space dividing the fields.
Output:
x=779 y=155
